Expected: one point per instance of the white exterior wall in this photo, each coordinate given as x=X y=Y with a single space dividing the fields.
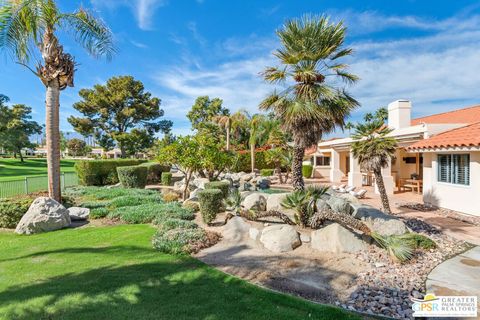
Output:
x=455 y=197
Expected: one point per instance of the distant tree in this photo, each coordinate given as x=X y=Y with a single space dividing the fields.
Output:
x=77 y=147
x=204 y=111
x=29 y=30
x=120 y=113
x=16 y=127
x=212 y=155
x=381 y=114
x=374 y=150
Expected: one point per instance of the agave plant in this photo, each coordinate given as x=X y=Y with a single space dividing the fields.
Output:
x=234 y=201
x=297 y=200
x=397 y=247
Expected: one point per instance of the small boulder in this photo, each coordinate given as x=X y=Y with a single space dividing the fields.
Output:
x=235 y=229
x=280 y=238
x=274 y=201
x=340 y=205
x=321 y=205
x=255 y=201
x=194 y=194
x=263 y=183
x=44 y=214
x=78 y=213
x=380 y=222
x=337 y=239
x=200 y=182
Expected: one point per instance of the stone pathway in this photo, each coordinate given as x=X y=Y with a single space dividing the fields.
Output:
x=457 y=276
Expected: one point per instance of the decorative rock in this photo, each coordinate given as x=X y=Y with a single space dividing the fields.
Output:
x=280 y=238
x=263 y=183
x=274 y=201
x=44 y=214
x=235 y=229
x=200 y=182
x=253 y=233
x=379 y=222
x=78 y=213
x=305 y=238
x=322 y=204
x=194 y=194
x=337 y=239
x=255 y=201
x=339 y=205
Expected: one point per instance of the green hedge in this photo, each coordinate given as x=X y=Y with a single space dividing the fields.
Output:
x=101 y=172
x=133 y=176
x=266 y=172
x=166 y=178
x=210 y=203
x=307 y=170
x=155 y=171
x=242 y=162
x=223 y=186
x=12 y=210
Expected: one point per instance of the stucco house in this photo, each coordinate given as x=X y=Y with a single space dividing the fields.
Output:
x=438 y=155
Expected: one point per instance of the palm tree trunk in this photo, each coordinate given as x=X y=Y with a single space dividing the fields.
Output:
x=228 y=135
x=252 y=156
x=383 y=192
x=297 y=177
x=52 y=103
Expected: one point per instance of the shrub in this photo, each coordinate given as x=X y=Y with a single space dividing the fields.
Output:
x=151 y=212
x=166 y=223
x=171 y=197
x=242 y=162
x=307 y=170
x=166 y=178
x=178 y=241
x=210 y=202
x=134 y=200
x=266 y=172
x=417 y=240
x=174 y=210
x=101 y=172
x=98 y=213
x=155 y=171
x=12 y=210
x=191 y=205
x=133 y=176
x=223 y=186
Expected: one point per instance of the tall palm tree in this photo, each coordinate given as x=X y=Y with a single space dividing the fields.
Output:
x=225 y=121
x=314 y=101
x=374 y=150
x=255 y=133
x=30 y=25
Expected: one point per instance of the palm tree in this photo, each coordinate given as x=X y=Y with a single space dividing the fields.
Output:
x=313 y=102
x=226 y=122
x=374 y=150
x=30 y=25
x=255 y=126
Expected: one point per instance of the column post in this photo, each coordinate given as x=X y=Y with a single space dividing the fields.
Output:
x=335 y=173
x=354 y=175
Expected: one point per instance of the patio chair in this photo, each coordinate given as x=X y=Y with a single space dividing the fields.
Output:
x=350 y=188
x=336 y=188
x=360 y=194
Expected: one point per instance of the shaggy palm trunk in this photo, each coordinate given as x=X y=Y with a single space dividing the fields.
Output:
x=254 y=216
x=344 y=220
x=52 y=102
x=297 y=176
x=382 y=190
x=252 y=156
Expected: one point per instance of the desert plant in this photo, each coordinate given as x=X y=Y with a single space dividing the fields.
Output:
x=133 y=176
x=167 y=223
x=191 y=205
x=166 y=178
x=210 y=203
x=266 y=172
x=234 y=201
x=223 y=186
x=171 y=197
x=297 y=200
x=98 y=213
x=307 y=170
x=417 y=240
x=178 y=241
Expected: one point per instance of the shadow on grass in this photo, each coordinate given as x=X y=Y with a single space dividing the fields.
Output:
x=161 y=287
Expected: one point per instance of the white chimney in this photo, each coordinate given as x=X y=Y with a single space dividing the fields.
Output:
x=399 y=114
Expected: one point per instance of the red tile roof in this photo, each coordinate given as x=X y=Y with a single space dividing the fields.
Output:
x=465 y=115
x=468 y=136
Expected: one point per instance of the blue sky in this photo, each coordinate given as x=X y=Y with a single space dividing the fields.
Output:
x=425 y=51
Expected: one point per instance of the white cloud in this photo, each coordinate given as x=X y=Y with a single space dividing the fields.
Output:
x=143 y=10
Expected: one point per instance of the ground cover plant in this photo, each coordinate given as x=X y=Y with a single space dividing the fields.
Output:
x=114 y=273
x=13 y=169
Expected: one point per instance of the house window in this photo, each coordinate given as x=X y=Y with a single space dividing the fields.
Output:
x=323 y=161
x=454 y=168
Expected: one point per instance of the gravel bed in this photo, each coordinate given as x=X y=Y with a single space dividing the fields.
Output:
x=387 y=289
x=441 y=212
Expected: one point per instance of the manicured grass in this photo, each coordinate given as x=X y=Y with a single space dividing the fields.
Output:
x=13 y=169
x=114 y=273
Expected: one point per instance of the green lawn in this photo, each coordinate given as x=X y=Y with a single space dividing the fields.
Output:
x=12 y=169
x=113 y=273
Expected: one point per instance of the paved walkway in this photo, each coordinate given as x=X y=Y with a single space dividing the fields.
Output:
x=457 y=276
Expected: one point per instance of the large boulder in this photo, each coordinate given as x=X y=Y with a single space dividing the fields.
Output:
x=337 y=239
x=274 y=201
x=200 y=182
x=44 y=214
x=340 y=205
x=255 y=201
x=235 y=229
x=194 y=194
x=263 y=183
x=78 y=213
x=378 y=221
x=280 y=238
